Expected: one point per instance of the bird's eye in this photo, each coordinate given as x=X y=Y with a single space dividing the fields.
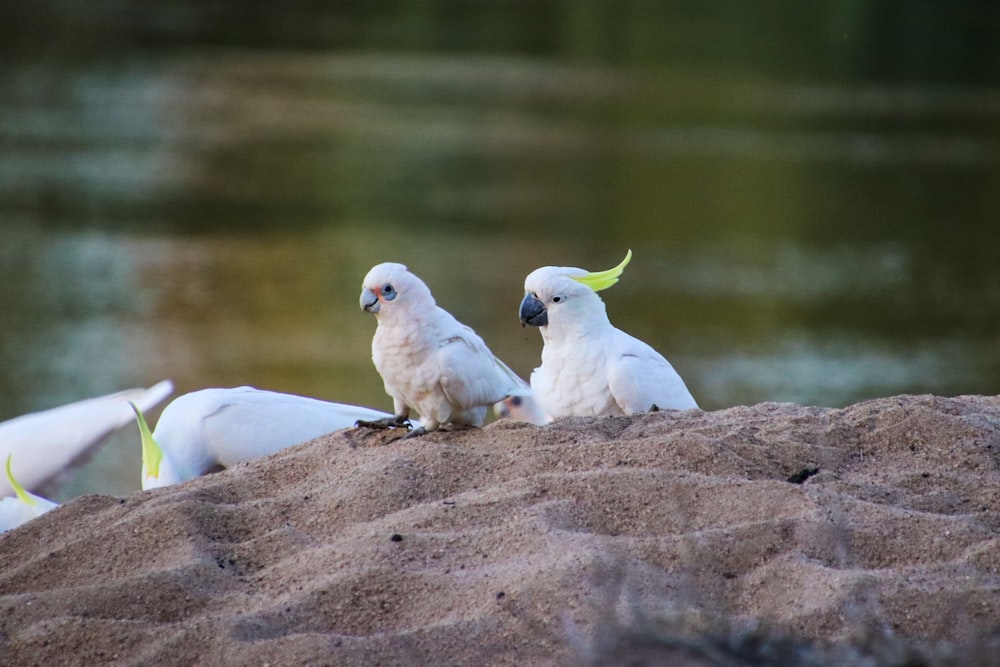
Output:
x=558 y=298
x=516 y=401
x=388 y=293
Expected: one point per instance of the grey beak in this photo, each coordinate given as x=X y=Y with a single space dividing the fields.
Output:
x=369 y=302
x=533 y=312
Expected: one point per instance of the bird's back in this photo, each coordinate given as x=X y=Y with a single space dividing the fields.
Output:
x=220 y=427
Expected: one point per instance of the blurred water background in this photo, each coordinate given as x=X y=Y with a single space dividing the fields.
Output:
x=195 y=190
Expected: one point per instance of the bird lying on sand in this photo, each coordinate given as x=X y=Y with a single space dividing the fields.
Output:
x=206 y=430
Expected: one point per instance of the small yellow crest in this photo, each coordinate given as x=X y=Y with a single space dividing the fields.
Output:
x=18 y=489
x=599 y=280
x=151 y=452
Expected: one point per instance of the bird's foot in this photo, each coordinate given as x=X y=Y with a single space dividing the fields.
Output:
x=385 y=422
x=420 y=430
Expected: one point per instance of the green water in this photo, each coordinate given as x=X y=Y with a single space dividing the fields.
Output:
x=811 y=191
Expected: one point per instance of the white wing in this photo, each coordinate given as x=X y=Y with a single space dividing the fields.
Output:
x=45 y=443
x=639 y=377
x=264 y=422
x=470 y=375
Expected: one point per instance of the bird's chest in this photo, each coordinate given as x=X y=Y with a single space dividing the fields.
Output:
x=405 y=359
x=574 y=381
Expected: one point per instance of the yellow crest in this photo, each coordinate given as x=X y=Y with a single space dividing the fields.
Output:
x=599 y=280
x=14 y=484
x=151 y=452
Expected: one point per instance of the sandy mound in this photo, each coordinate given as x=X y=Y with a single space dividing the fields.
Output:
x=524 y=545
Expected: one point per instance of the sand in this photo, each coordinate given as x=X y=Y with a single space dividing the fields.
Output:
x=701 y=537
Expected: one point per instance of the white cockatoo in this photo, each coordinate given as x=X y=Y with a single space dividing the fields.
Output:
x=428 y=360
x=522 y=407
x=23 y=506
x=210 y=429
x=589 y=367
x=46 y=443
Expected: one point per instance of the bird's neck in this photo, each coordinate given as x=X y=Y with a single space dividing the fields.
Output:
x=168 y=474
x=571 y=329
x=417 y=329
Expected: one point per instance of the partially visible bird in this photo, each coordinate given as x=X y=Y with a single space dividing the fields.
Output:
x=23 y=506
x=590 y=368
x=522 y=407
x=204 y=431
x=428 y=360
x=46 y=443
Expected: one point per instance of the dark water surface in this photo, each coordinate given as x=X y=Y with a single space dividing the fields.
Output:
x=812 y=194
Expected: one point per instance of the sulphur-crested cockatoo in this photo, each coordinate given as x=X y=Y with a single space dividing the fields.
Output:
x=590 y=368
x=46 y=443
x=23 y=506
x=428 y=360
x=206 y=430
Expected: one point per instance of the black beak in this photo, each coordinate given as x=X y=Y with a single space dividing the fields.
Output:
x=533 y=312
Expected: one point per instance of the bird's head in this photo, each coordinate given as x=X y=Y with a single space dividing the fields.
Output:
x=566 y=293
x=23 y=506
x=391 y=287
x=522 y=406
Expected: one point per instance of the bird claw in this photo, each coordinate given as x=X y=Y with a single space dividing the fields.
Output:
x=386 y=422
x=420 y=430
